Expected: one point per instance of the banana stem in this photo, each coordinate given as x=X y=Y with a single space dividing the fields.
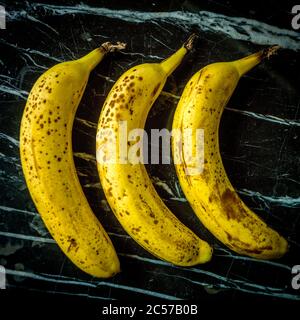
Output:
x=109 y=47
x=94 y=57
x=171 y=63
x=245 y=64
x=268 y=52
x=189 y=44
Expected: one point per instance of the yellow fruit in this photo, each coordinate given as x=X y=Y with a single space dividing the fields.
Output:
x=48 y=165
x=127 y=186
x=210 y=193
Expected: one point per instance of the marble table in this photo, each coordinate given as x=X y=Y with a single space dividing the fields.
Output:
x=259 y=140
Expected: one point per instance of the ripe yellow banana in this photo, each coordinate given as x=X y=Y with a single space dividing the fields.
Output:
x=127 y=186
x=47 y=162
x=210 y=193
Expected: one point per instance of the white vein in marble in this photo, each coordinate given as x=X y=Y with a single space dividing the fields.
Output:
x=67 y=280
x=225 y=281
x=235 y=27
x=266 y=117
x=282 y=201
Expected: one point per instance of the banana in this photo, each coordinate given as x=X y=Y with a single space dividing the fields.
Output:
x=127 y=186
x=210 y=192
x=48 y=165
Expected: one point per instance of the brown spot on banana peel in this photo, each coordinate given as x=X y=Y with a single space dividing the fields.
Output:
x=232 y=205
x=73 y=244
x=153 y=93
x=151 y=213
x=212 y=197
x=183 y=162
x=258 y=251
x=235 y=243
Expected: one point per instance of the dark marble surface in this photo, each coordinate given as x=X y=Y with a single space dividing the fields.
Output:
x=259 y=137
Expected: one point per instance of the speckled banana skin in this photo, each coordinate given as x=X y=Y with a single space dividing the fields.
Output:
x=127 y=187
x=210 y=193
x=48 y=165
